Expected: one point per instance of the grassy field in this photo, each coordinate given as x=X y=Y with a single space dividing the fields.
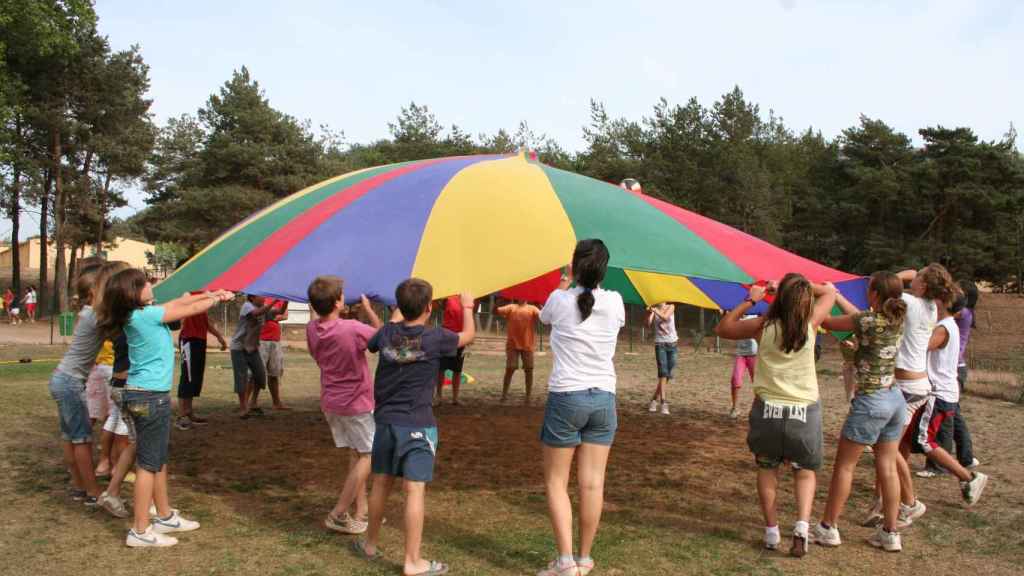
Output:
x=680 y=488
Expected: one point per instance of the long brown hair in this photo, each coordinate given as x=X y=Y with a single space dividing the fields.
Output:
x=791 y=311
x=107 y=270
x=889 y=288
x=122 y=295
x=938 y=284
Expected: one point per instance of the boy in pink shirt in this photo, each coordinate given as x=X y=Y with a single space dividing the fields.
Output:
x=346 y=392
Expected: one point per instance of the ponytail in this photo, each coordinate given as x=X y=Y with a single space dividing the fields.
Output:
x=589 y=264
x=889 y=289
x=894 y=310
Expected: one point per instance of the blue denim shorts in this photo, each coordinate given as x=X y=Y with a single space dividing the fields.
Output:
x=150 y=413
x=404 y=451
x=584 y=416
x=69 y=392
x=876 y=417
x=666 y=354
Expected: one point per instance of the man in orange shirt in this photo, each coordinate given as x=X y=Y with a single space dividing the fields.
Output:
x=522 y=322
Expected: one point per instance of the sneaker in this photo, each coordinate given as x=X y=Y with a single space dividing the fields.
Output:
x=974 y=464
x=825 y=536
x=910 y=513
x=346 y=524
x=154 y=514
x=113 y=505
x=653 y=408
x=772 y=538
x=183 y=423
x=972 y=490
x=173 y=524
x=875 y=516
x=555 y=568
x=76 y=494
x=149 y=539
x=664 y=408
x=930 y=472
x=198 y=421
x=734 y=414
x=91 y=501
x=799 y=547
x=888 y=541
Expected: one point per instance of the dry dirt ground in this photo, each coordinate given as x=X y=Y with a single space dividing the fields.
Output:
x=680 y=488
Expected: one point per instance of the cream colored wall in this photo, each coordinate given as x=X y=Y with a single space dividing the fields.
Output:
x=131 y=251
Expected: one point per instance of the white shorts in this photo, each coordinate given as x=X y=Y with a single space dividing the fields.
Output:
x=272 y=355
x=115 y=423
x=97 y=391
x=915 y=392
x=355 y=432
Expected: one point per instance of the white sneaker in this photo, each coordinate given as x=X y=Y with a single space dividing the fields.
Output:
x=875 y=516
x=113 y=505
x=153 y=513
x=825 y=536
x=173 y=524
x=972 y=490
x=734 y=414
x=888 y=541
x=664 y=408
x=556 y=569
x=653 y=407
x=910 y=513
x=148 y=539
x=974 y=464
x=772 y=538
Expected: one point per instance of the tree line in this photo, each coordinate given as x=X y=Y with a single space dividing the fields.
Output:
x=76 y=131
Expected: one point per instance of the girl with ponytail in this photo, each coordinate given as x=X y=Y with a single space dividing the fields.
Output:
x=878 y=411
x=580 y=417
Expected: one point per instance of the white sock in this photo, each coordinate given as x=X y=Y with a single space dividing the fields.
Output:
x=772 y=531
x=801 y=528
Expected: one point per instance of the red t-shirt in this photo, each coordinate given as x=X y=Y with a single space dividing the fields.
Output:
x=271 y=328
x=195 y=326
x=453 y=314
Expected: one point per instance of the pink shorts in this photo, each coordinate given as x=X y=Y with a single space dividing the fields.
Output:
x=97 y=391
x=741 y=363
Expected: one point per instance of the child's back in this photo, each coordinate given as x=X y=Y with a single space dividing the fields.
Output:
x=410 y=357
x=339 y=348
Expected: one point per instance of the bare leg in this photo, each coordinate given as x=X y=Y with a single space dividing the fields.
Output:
x=590 y=469
x=83 y=462
x=160 y=497
x=456 y=382
x=144 y=483
x=907 y=495
x=358 y=470
x=414 y=496
x=886 y=458
x=735 y=393
x=947 y=461
x=529 y=384
x=378 y=499
x=557 y=465
x=185 y=406
x=767 y=484
x=805 y=482
x=842 y=479
x=506 y=383
x=274 y=383
x=125 y=461
x=69 y=462
x=106 y=453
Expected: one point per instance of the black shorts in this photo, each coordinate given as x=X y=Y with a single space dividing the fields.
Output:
x=193 y=366
x=453 y=363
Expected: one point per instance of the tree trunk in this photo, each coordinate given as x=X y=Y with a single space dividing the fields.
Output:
x=60 y=272
x=44 y=237
x=72 y=272
x=15 y=214
x=102 y=209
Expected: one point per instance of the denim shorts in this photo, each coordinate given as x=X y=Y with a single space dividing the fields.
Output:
x=150 y=414
x=69 y=392
x=876 y=417
x=583 y=416
x=404 y=451
x=665 y=354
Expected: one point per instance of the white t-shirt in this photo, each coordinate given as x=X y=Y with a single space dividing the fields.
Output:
x=942 y=364
x=917 y=331
x=30 y=297
x=665 y=330
x=584 y=351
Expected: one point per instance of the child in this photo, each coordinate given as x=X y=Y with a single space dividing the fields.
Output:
x=13 y=309
x=943 y=356
x=453 y=321
x=192 y=343
x=67 y=387
x=580 y=417
x=746 y=360
x=877 y=411
x=346 y=392
x=522 y=322
x=127 y=307
x=405 y=441
x=245 y=354
x=929 y=288
x=271 y=352
x=662 y=319
x=785 y=420
x=30 y=303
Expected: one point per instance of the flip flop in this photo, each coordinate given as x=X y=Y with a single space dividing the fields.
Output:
x=435 y=569
x=359 y=547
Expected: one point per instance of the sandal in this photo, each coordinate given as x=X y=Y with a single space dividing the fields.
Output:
x=359 y=547
x=435 y=568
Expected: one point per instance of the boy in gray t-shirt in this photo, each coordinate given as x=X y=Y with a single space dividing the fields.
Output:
x=245 y=352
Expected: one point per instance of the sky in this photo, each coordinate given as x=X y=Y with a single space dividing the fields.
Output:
x=487 y=65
